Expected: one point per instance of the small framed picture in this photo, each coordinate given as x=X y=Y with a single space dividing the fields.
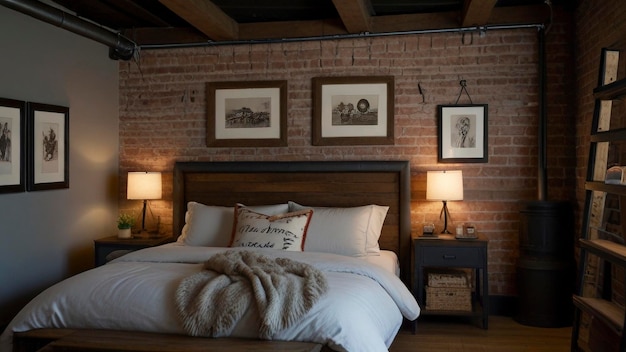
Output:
x=353 y=110
x=247 y=114
x=12 y=132
x=428 y=230
x=463 y=133
x=48 y=154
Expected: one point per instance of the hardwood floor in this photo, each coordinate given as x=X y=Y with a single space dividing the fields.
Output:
x=504 y=334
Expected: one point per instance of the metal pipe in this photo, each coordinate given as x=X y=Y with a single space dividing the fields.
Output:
x=340 y=36
x=542 y=188
x=120 y=46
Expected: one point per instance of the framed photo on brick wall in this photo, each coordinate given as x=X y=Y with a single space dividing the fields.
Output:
x=49 y=141
x=353 y=110
x=463 y=133
x=247 y=114
x=12 y=141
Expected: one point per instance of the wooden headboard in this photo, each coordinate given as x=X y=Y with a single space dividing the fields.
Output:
x=314 y=183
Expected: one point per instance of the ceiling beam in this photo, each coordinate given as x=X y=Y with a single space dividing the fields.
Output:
x=205 y=17
x=354 y=14
x=290 y=29
x=135 y=10
x=415 y=22
x=532 y=14
x=477 y=12
x=264 y=31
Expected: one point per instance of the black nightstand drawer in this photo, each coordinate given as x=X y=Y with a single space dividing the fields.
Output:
x=105 y=246
x=440 y=256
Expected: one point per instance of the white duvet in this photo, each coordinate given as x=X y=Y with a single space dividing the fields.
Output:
x=362 y=311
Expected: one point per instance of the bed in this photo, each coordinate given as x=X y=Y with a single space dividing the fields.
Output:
x=342 y=238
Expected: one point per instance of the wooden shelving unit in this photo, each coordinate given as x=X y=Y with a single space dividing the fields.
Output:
x=601 y=292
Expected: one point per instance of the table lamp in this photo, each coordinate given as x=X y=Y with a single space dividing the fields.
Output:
x=144 y=186
x=444 y=186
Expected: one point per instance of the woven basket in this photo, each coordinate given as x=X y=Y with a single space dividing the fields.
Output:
x=448 y=278
x=449 y=298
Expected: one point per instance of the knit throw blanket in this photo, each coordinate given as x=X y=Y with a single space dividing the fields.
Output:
x=211 y=302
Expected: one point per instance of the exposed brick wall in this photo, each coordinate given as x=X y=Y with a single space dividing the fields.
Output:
x=163 y=118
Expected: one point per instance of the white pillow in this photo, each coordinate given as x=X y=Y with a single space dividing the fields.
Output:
x=349 y=231
x=283 y=231
x=212 y=226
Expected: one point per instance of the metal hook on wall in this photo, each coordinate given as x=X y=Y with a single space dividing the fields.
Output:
x=471 y=38
x=482 y=31
x=419 y=88
x=463 y=84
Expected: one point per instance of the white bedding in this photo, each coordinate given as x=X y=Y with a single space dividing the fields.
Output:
x=387 y=259
x=362 y=311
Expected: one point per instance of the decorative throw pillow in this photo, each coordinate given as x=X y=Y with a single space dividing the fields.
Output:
x=212 y=226
x=283 y=231
x=352 y=231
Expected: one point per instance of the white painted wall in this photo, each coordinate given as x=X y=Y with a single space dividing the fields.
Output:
x=47 y=236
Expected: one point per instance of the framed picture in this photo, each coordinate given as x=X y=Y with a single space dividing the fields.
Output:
x=353 y=110
x=48 y=154
x=247 y=114
x=463 y=133
x=12 y=132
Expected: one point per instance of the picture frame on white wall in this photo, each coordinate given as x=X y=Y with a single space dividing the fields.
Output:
x=353 y=110
x=247 y=114
x=12 y=132
x=48 y=140
x=463 y=133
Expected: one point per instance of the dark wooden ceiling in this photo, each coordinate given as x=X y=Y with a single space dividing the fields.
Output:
x=176 y=22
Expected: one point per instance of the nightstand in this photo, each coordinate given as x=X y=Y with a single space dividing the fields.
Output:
x=448 y=252
x=105 y=246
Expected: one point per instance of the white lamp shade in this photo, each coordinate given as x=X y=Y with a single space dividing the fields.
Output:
x=444 y=185
x=144 y=185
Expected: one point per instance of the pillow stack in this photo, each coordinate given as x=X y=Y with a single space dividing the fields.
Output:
x=348 y=231
x=212 y=226
x=351 y=231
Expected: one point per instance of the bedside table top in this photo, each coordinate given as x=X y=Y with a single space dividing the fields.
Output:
x=135 y=241
x=450 y=240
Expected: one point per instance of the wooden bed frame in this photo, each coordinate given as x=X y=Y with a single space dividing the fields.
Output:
x=316 y=183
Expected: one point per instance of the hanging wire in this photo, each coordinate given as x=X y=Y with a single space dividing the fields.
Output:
x=137 y=60
x=463 y=84
x=419 y=88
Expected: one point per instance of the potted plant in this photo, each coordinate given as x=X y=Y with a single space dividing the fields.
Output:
x=124 y=224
